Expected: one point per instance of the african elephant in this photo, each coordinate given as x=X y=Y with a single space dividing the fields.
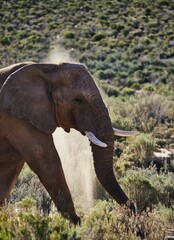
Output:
x=34 y=100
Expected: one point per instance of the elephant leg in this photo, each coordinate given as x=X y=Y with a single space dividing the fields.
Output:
x=49 y=170
x=8 y=176
x=48 y=167
x=39 y=152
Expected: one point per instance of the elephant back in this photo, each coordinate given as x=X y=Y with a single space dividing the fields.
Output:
x=5 y=72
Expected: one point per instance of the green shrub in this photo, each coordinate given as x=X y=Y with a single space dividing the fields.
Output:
x=27 y=203
x=82 y=44
x=166 y=213
x=164 y=184
x=29 y=226
x=148 y=110
x=98 y=36
x=140 y=190
x=119 y=113
x=68 y=34
x=5 y=40
x=107 y=221
x=148 y=87
x=110 y=90
x=146 y=187
x=127 y=91
x=141 y=149
x=29 y=190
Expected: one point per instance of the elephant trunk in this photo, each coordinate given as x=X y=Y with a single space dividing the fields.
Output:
x=103 y=164
x=103 y=157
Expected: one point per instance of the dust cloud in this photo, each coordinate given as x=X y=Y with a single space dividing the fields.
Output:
x=58 y=54
x=76 y=157
x=75 y=152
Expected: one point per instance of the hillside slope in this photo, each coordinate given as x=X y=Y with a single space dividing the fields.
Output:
x=126 y=43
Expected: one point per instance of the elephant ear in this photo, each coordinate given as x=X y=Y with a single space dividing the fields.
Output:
x=26 y=94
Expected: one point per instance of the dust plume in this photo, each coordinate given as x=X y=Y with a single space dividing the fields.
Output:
x=58 y=54
x=75 y=152
x=76 y=157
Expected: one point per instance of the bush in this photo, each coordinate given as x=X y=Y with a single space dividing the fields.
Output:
x=25 y=225
x=29 y=188
x=166 y=213
x=147 y=188
x=27 y=203
x=127 y=91
x=140 y=190
x=98 y=36
x=119 y=110
x=110 y=90
x=107 y=221
x=5 y=40
x=148 y=110
x=68 y=34
x=140 y=150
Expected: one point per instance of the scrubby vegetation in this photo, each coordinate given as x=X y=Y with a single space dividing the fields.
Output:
x=128 y=46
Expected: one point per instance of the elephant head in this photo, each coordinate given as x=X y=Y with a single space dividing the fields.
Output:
x=65 y=95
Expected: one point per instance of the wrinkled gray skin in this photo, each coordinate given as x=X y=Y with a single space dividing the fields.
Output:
x=34 y=100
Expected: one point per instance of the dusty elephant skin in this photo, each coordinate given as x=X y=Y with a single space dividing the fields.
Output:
x=34 y=100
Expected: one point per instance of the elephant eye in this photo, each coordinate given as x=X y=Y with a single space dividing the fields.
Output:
x=78 y=100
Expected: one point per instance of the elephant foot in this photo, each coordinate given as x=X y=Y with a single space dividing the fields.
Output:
x=66 y=208
x=75 y=219
x=72 y=217
x=132 y=207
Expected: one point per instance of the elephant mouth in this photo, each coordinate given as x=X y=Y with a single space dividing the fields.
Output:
x=92 y=138
x=66 y=129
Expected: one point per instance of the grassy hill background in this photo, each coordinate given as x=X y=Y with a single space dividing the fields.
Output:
x=128 y=46
x=126 y=43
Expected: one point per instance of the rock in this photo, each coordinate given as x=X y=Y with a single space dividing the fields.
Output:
x=163 y=154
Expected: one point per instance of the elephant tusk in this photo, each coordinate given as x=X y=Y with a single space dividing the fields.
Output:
x=95 y=140
x=123 y=133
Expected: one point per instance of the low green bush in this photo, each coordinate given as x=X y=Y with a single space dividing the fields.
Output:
x=105 y=221
x=98 y=36
x=140 y=190
x=149 y=109
x=110 y=90
x=67 y=34
x=29 y=190
x=22 y=225
x=146 y=187
x=139 y=151
x=108 y=221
